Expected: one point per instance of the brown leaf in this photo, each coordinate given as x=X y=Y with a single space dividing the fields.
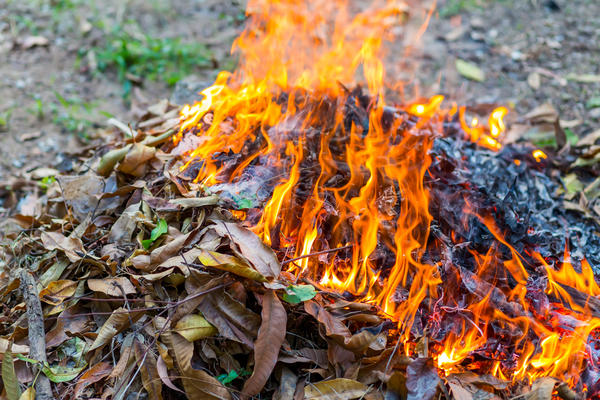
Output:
x=58 y=291
x=118 y=320
x=69 y=322
x=229 y=263
x=163 y=373
x=251 y=247
x=271 y=335
x=134 y=162
x=92 y=375
x=421 y=379
x=233 y=320
x=71 y=246
x=545 y=113
x=194 y=327
x=335 y=389
x=541 y=389
x=116 y=287
x=147 y=364
x=32 y=41
x=15 y=349
x=126 y=353
x=197 y=383
x=28 y=394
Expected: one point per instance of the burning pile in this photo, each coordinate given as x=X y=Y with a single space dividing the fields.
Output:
x=414 y=252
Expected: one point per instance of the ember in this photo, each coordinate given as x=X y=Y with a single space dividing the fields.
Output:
x=391 y=187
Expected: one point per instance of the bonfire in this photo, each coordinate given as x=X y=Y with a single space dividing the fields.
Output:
x=304 y=231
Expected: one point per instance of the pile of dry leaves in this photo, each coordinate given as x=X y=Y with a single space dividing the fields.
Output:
x=122 y=280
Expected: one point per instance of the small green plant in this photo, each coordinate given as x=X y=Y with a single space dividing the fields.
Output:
x=46 y=182
x=38 y=109
x=145 y=57
x=73 y=115
x=5 y=119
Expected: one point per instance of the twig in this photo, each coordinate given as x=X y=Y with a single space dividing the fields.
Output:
x=37 y=336
x=317 y=253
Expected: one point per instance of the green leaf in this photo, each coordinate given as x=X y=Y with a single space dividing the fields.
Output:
x=298 y=293
x=228 y=378
x=9 y=377
x=469 y=70
x=161 y=228
x=58 y=374
x=26 y=359
x=593 y=102
x=572 y=138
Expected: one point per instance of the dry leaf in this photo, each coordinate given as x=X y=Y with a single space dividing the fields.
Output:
x=197 y=383
x=230 y=264
x=163 y=373
x=16 y=348
x=541 y=389
x=534 y=80
x=251 y=247
x=58 y=291
x=271 y=335
x=147 y=364
x=335 y=389
x=71 y=246
x=421 y=379
x=233 y=320
x=92 y=375
x=116 y=287
x=118 y=320
x=32 y=41
x=135 y=162
x=28 y=394
x=194 y=327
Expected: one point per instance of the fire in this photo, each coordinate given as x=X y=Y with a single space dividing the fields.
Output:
x=286 y=109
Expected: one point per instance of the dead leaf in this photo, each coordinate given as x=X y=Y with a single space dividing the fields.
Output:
x=135 y=162
x=118 y=320
x=32 y=41
x=16 y=348
x=163 y=373
x=28 y=394
x=421 y=379
x=229 y=263
x=58 y=291
x=147 y=364
x=470 y=70
x=584 y=78
x=194 y=327
x=233 y=320
x=195 y=202
x=69 y=322
x=589 y=139
x=71 y=246
x=271 y=335
x=116 y=287
x=251 y=247
x=335 y=389
x=534 y=80
x=541 y=389
x=92 y=375
x=197 y=383
x=544 y=113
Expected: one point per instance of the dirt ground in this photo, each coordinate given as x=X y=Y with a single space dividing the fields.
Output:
x=53 y=92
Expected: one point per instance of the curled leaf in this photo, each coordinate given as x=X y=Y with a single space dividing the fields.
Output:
x=270 y=338
x=116 y=287
x=118 y=320
x=58 y=291
x=230 y=264
x=194 y=327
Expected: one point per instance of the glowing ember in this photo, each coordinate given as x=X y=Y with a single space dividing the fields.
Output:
x=349 y=169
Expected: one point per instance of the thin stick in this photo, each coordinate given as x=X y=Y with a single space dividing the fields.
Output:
x=317 y=253
x=37 y=336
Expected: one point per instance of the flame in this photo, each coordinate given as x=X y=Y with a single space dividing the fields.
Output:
x=285 y=109
x=539 y=155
